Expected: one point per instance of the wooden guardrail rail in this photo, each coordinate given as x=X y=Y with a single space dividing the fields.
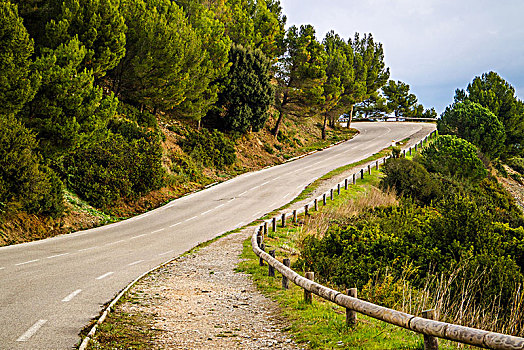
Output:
x=431 y=329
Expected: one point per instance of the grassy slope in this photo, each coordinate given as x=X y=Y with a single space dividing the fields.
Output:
x=254 y=151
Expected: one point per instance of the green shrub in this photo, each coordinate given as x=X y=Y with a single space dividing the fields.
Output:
x=517 y=164
x=209 y=148
x=451 y=156
x=114 y=168
x=143 y=119
x=25 y=183
x=410 y=179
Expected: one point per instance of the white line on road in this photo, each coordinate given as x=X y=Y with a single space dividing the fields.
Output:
x=71 y=296
x=219 y=206
x=207 y=212
x=169 y=252
x=120 y=241
x=286 y=196
x=178 y=223
x=136 y=262
x=142 y=235
x=57 y=255
x=105 y=275
x=2 y=268
x=83 y=250
x=32 y=331
x=194 y=217
x=243 y=193
x=27 y=262
x=162 y=229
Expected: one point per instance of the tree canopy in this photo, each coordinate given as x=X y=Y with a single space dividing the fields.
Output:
x=477 y=124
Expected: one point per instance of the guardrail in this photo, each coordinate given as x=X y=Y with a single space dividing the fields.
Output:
x=431 y=329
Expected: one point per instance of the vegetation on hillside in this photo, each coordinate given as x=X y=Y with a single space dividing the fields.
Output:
x=117 y=101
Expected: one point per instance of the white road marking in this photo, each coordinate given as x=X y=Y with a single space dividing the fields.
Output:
x=83 y=250
x=57 y=255
x=243 y=193
x=286 y=196
x=207 y=212
x=2 y=268
x=169 y=252
x=27 y=262
x=136 y=262
x=162 y=229
x=120 y=241
x=72 y=295
x=178 y=223
x=221 y=205
x=142 y=235
x=194 y=217
x=105 y=275
x=32 y=331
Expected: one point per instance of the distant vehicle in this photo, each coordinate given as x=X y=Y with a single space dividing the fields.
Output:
x=343 y=118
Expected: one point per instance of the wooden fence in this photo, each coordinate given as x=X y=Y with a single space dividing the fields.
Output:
x=431 y=329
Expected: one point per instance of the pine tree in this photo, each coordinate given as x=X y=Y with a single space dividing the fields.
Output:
x=493 y=92
x=400 y=100
x=247 y=95
x=301 y=75
x=18 y=80
x=370 y=70
x=68 y=107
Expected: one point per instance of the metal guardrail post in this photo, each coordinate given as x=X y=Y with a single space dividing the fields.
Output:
x=306 y=209
x=354 y=179
x=338 y=189
x=346 y=182
x=295 y=216
x=316 y=204
x=324 y=199
x=274 y=224
x=331 y=194
x=284 y=220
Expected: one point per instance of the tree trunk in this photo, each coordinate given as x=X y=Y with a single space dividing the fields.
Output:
x=324 y=126
x=279 y=121
x=350 y=117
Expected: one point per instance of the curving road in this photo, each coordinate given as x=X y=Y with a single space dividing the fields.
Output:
x=51 y=289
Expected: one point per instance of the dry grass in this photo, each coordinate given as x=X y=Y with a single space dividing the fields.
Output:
x=343 y=211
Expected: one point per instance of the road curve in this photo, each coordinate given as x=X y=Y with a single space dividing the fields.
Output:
x=51 y=289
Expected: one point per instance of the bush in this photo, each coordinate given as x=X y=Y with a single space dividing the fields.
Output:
x=451 y=156
x=410 y=179
x=210 y=148
x=143 y=119
x=115 y=168
x=25 y=183
x=517 y=164
x=477 y=124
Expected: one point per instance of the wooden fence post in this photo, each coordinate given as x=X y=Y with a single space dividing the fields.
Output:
x=284 y=220
x=324 y=199
x=316 y=204
x=369 y=169
x=271 y=269
x=430 y=342
x=295 y=216
x=354 y=179
x=377 y=165
x=338 y=189
x=261 y=261
x=265 y=228
x=404 y=153
x=351 y=315
x=331 y=194
x=285 y=281
x=274 y=224
x=415 y=147
x=307 y=294
x=346 y=181
x=410 y=151
x=362 y=174
x=306 y=209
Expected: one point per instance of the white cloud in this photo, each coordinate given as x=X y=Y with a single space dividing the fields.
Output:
x=433 y=45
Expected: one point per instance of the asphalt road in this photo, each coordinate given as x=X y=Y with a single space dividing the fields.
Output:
x=51 y=289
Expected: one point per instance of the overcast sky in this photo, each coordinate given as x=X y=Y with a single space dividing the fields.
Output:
x=436 y=46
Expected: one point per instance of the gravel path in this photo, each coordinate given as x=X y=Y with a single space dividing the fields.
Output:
x=200 y=302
